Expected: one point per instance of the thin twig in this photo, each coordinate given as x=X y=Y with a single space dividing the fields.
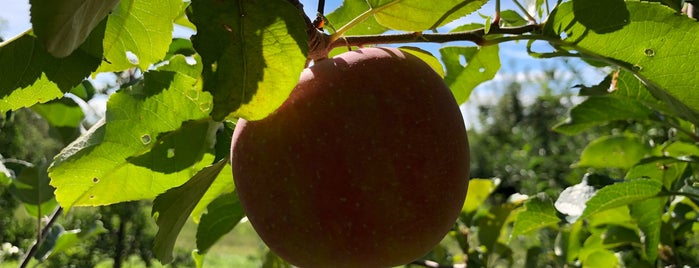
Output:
x=44 y=232
x=530 y=18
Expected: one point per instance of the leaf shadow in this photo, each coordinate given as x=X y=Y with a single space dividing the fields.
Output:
x=230 y=36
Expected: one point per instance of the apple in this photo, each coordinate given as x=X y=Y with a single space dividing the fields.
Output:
x=365 y=164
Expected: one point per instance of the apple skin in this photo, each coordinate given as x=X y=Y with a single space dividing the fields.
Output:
x=365 y=165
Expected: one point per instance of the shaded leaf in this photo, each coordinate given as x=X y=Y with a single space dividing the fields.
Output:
x=174 y=151
x=621 y=194
x=222 y=215
x=648 y=215
x=72 y=238
x=252 y=58
x=223 y=184
x=481 y=64
x=32 y=188
x=63 y=26
x=172 y=209
x=666 y=170
x=60 y=113
x=31 y=75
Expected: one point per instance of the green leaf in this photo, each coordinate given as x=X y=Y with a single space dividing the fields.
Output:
x=32 y=188
x=621 y=194
x=222 y=185
x=512 y=18
x=681 y=149
x=63 y=26
x=490 y=225
x=252 y=57
x=94 y=169
x=49 y=242
x=600 y=110
x=138 y=33
x=419 y=15
x=61 y=113
x=648 y=214
x=271 y=260
x=478 y=191
x=72 y=238
x=650 y=40
x=600 y=258
x=538 y=213
x=172 y=209
x=175 y=150
x=349 y=10
x=482 y=63
x=666 y=170
x=613 y=151
x=31 y=75
x=224 y=213
x=425 y=56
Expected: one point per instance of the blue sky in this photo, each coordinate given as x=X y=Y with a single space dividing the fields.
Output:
x=516 y=63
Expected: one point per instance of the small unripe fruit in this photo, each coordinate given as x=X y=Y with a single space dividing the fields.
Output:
x=365 y=165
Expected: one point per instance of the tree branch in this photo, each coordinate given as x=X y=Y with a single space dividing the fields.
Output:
x=476 y=36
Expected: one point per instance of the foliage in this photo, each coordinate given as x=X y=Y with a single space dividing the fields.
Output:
x=630 y=197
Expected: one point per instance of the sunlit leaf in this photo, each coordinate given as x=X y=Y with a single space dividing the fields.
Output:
x=419 y=15
x=613 y=151
x=138 y=33
x=31 y=75
x=652 y=41
x=425 y=56
x=467 y=67
x=251 y=62
x=478 y=191
x=621 y=194
x=538 y=213
x=94 y=170
x=349 y=10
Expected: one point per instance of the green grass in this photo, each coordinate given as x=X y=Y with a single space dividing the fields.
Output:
x=242 y=247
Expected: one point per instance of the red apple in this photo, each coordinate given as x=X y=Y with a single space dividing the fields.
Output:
x=365 y=165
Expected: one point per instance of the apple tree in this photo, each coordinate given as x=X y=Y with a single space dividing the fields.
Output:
x=166 y=132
